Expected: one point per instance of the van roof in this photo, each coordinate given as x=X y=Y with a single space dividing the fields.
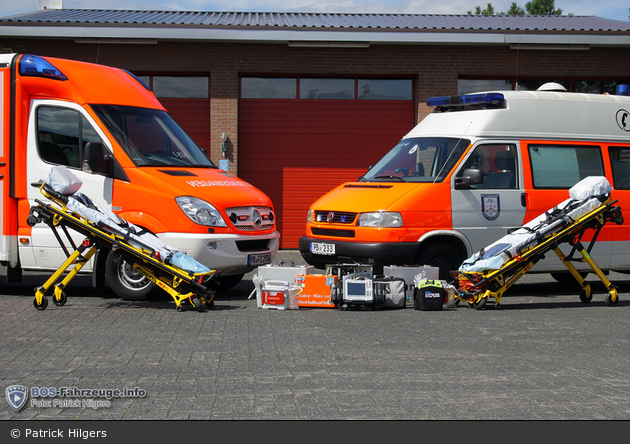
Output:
x=535 y=115
x=86 y=83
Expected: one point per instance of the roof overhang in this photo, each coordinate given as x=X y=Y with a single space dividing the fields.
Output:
x=144 y=34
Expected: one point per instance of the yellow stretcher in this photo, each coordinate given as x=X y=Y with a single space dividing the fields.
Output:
x=180 y=284
x=477 y=287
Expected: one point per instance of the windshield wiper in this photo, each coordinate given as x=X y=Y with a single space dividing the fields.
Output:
x=388 y=176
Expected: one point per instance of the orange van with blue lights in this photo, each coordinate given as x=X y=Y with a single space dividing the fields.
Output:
x=107 y=127
x=479 y=165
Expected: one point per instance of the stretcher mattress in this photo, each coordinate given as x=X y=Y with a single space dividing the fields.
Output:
x=64 y=182
x=585 y=196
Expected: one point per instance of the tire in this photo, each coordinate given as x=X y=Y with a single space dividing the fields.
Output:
x=480 y=304
x=41 y=306
x=612 y=299
x=441 y=255
x=586 y=295
x=62 y=301
x=126 y=281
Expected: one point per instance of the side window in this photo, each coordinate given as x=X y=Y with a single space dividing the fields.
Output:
x=620 y=162
x=62 y=134
x=562 y=166
x=58 y=135
x=498 y=163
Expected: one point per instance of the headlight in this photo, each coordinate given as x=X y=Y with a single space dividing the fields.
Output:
x=309 y=216
x=381 y=220
x=200 y=211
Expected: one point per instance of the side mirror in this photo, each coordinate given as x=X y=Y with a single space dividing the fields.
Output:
x=469 y=177
x=95 y=158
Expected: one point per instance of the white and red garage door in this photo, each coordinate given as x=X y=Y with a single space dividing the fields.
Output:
x=301 y=137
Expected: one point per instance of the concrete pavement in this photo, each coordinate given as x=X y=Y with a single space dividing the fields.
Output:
x=543 y=355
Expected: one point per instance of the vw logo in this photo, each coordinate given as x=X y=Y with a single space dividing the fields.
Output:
x=330 y=217
x=257 y=218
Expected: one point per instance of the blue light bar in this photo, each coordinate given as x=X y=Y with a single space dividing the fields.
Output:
x=137 y=79
x=35 y=66
x=466 y=99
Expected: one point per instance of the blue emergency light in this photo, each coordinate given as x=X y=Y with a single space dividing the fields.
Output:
x=467 y=99
x=35 y=66
x=622 y=90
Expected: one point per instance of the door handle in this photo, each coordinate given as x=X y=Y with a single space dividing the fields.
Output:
x=524 y=200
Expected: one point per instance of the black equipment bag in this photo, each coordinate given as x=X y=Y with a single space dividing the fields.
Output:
x=429 y=295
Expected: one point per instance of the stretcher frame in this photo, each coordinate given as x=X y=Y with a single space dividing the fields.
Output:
x=477 y=288
x=181 y=285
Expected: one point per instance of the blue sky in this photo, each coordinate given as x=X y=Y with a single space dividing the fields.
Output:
x=611 y=9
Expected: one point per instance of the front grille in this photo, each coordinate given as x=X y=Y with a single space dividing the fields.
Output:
x=332 y=233
x=338 y=217
x=251 y=218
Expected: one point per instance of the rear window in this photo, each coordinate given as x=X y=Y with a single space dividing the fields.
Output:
x=562 y=166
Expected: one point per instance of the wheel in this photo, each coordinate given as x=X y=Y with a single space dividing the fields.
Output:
x=199 y=305
x=480 y=303
x=497 y=306
x=126 y=281
x=210 y=304
x=41 y=306
x=612 y=299
x=61 y=301
x=180 y=308
x=441 y=255
x=585 y=295
x=564 y=277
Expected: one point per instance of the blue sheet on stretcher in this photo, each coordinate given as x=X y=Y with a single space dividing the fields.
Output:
x=61 y=179
x=585 y=196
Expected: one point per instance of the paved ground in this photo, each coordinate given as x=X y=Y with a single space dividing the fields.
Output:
x=543 y=355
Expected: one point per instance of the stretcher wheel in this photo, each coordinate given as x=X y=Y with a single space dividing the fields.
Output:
x=612 y=300
x=480 y=303
x=41 y=306
x=62 y=301
x=180 y=308
x=585 y=295
x=200 y=306
x=210 y=304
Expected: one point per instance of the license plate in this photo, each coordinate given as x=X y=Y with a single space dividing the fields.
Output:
x=322 y=248
x=259 y=259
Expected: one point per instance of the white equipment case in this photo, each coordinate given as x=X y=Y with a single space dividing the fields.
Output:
x=285 y=271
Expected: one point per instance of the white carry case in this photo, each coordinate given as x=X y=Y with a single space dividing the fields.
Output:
x=285 y=271
x=279 y=295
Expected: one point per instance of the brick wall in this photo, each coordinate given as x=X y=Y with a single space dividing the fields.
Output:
x=436 y=68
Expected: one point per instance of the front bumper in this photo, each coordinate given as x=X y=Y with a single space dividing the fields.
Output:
x=226 y=253
x=378 y=254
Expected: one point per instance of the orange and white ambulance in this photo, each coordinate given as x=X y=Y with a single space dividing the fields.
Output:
x=477 y=166
x=107 y=127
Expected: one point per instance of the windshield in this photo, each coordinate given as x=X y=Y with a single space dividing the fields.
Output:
x=150 y=137
x=420 y=159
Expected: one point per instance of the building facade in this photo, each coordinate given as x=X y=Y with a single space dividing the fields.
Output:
x=298 y=103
